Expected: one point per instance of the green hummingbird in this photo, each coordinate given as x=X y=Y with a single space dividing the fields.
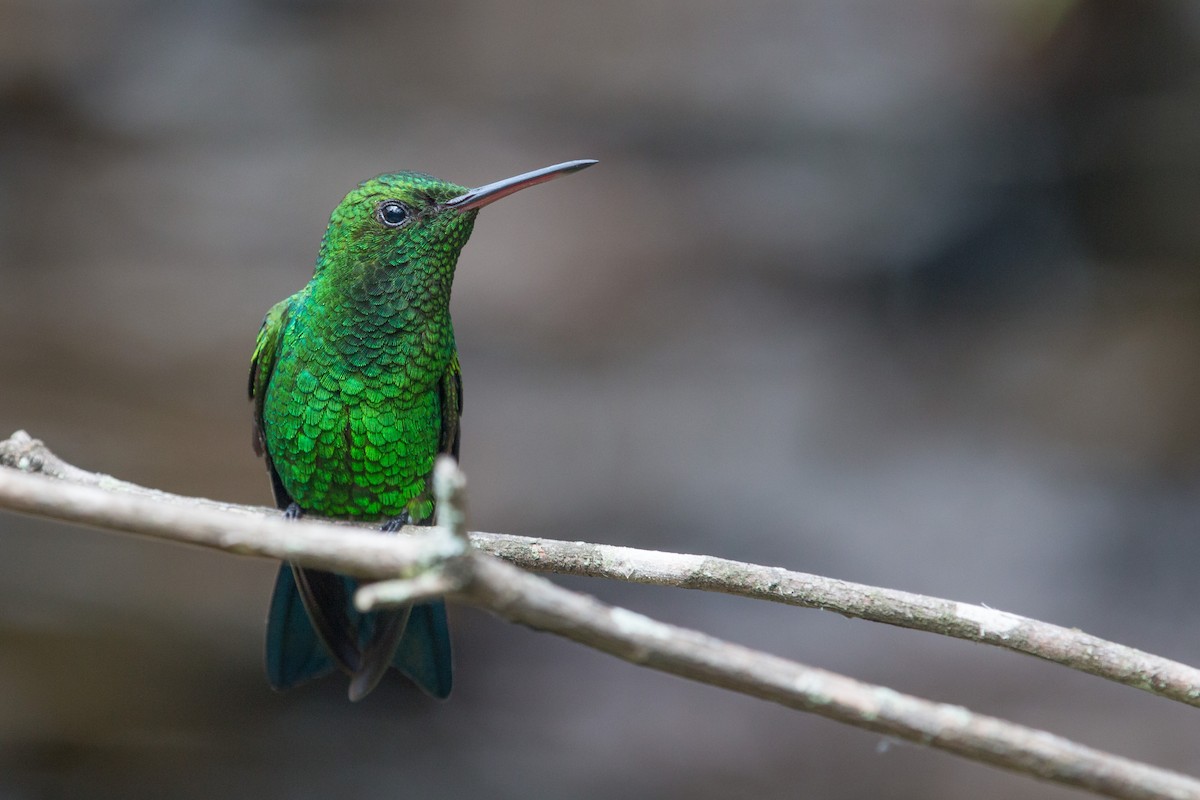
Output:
x=357 y=389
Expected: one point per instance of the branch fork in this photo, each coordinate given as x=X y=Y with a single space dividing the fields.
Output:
x=439 y=562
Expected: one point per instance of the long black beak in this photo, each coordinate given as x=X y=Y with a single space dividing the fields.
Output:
x=478 y=198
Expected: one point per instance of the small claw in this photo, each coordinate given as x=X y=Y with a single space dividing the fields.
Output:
x=397 y=522
x=293 y=511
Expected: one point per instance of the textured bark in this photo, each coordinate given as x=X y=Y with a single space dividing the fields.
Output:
x=439 y=560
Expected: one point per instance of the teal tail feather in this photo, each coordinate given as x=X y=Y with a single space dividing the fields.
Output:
x=424 y=652
x=296 y=652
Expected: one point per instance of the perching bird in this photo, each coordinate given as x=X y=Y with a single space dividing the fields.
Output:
x=356 y=389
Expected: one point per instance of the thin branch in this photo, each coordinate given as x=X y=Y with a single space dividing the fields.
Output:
x=308 y=542
x=518 y=596
x=402 y=591
x=533 y=601
x=449 y=486
x=1069 y=647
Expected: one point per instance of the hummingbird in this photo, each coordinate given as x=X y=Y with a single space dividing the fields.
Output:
x=356 y=388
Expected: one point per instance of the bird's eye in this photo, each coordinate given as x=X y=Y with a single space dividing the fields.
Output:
x=391 y=213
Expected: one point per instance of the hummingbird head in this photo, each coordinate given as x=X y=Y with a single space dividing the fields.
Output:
x=409 y=217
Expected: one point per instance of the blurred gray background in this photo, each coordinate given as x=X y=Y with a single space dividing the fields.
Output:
x=901 y=292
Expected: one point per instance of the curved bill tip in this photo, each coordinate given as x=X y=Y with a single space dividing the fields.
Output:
x=484 y=195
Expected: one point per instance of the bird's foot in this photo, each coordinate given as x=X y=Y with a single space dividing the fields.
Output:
x=293 y=511
x=397 y=522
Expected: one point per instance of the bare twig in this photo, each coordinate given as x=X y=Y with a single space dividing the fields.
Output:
x=402 y=591
x=1066 y=646
x=449 y=486
x=436 y=561
x=160 y=515
x=481 y=580
x=533 y=601
x=1069 y=647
